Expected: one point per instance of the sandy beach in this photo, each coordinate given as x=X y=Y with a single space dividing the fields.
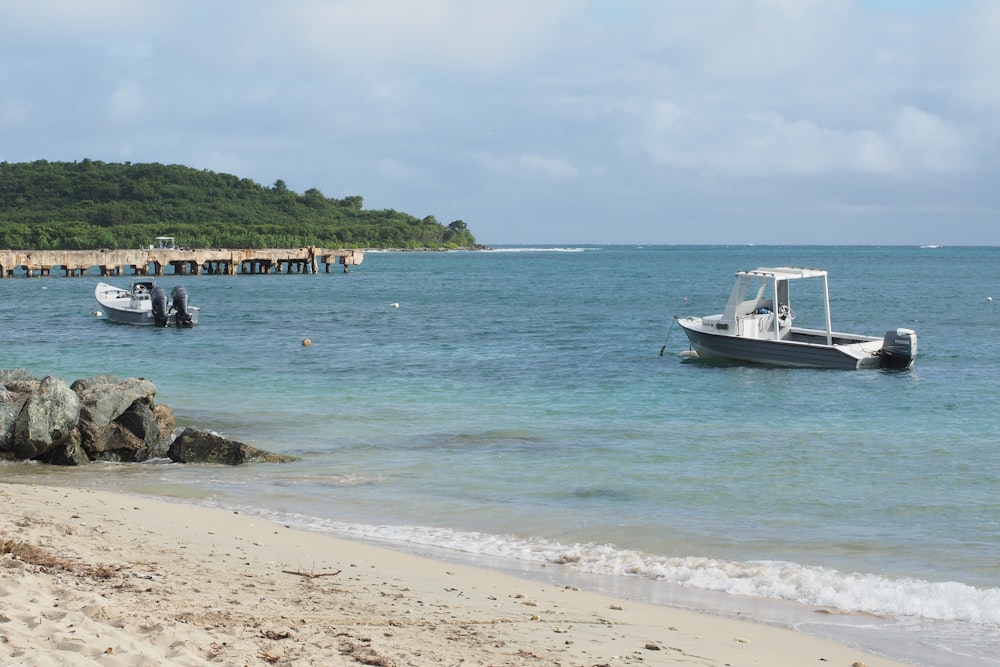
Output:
x=92 y=578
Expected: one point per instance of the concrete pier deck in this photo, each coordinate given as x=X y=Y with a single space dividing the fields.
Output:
x=154 y=261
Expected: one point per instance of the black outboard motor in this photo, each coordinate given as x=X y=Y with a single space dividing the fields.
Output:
x=179 y=297
x=159 y=299
x=899 y=348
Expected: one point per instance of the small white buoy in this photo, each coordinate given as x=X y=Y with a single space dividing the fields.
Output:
x=989 y=298
x=98 y=313
x=394 y=305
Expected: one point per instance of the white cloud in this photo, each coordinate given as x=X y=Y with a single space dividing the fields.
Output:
x=978 y=48
x=127 y=103
x=395 y=170
x=551 y=168
x=14 y=112
x=929 y=144
x=414 y=34
x=909 y=142
x=528 y=166
x=73 y=18
x=751 y=40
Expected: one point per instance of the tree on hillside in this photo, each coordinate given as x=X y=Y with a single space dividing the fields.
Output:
x=92 y=204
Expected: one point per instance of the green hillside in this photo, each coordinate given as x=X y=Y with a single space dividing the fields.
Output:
x=90 y=204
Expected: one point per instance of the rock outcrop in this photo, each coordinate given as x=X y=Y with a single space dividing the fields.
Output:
x=205 y=447
x=105 y=398
x=102 y=418
x=47 y=420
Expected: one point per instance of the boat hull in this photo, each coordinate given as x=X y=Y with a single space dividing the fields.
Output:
x=142 y=318
x=777 y=352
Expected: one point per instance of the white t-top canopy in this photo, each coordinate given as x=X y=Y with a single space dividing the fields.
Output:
x=783 y=272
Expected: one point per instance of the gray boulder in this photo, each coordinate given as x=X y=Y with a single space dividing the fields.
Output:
x=46 y=419
x=7 y=418
x=105 y=398
x=193 y=446
x=138 y=434
x=67 y=453
x=112 y=442
x=17 y=377
x=93 y=381
x=15 y=387
x=165 y=423
x=22 y=386
x=141 y=422
x=118 y=420
x=15 y=374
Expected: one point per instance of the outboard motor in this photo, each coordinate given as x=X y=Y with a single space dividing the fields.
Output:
x=899 y=348
x=179 y=297
x=159 y=299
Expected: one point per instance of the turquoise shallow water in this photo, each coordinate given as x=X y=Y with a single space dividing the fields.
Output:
x=514 y=409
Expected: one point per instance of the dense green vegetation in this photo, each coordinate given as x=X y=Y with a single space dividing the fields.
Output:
x=90 y=204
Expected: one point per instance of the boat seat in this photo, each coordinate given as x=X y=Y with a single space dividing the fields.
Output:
x=752 y=307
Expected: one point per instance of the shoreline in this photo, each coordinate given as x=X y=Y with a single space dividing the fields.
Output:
x=115 y=579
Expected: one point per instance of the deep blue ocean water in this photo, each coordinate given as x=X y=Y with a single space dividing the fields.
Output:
x=514 y=410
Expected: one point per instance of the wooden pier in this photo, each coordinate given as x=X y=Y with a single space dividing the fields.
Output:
x=184 y=262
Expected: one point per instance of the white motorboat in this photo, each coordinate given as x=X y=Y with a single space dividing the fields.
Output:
x=145 y=304
x=758 y=326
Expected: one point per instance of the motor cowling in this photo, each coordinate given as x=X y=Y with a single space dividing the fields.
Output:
x=899 y=348
x=179 y=297
x=160 y=314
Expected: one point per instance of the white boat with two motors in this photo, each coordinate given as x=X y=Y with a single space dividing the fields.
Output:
x=145 y=304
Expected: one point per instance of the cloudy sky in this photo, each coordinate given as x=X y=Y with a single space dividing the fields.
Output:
x=542 y=121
